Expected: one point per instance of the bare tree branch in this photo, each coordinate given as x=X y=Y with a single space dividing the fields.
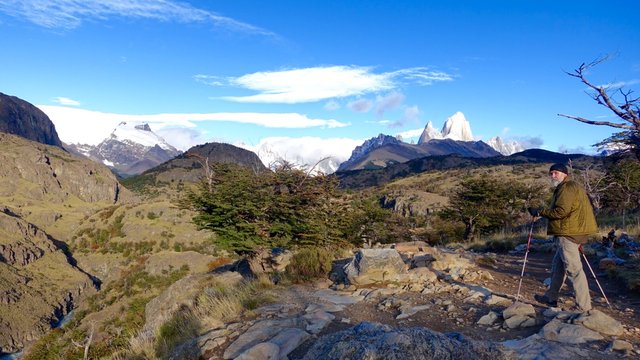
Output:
x=593 y=122
x=628 y=111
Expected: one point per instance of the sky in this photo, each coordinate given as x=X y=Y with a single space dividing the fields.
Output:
x=310 y=79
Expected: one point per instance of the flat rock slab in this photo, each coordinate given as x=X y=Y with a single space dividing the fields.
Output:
x=261 y=331
x=558 y=331
x=535 y=347
x=598 y=321
x=376 y=341
x=335 y=297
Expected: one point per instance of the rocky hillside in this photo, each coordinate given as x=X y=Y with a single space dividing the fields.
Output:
x=189 y=166
x=52 y=188
x=39 y=283
x=23 y=119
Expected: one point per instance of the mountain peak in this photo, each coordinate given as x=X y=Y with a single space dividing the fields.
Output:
x=503 y=148
x=457 y=128
x=139 y=134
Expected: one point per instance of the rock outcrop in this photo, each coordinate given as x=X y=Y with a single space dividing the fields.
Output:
x=21 y=118
x=376 y=341
x=38 y=284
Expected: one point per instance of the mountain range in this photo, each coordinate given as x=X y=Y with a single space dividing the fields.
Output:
x=129 y=150
x=454 y=138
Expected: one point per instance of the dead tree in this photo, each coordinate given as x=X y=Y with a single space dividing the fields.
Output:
x=627 y=110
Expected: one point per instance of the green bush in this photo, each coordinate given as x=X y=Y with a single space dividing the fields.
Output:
x=309 y=263
x=182 y=326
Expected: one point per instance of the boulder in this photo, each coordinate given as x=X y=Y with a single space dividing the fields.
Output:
x=489 y=319
x=371 y=266
x=558 y=331
x=376 y=341
x=598 y=321
x=519 y=309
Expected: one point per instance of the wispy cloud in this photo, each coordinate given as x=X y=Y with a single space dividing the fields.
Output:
x=410 y=133
x=70 y=14
x=360 y=105
x=65 y=101
x=321 y=83
x=209 y=80
x=388 y=102
x=332 y=105
x=620 y=84
x=90 y=127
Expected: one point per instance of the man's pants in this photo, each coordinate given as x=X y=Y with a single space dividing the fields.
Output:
x=567 y=263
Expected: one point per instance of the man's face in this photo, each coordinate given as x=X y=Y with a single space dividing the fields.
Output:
x=557 y=177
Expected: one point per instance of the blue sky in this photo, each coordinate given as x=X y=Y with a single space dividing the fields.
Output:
x=315 y=78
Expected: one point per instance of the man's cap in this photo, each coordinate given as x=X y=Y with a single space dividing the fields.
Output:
x=559 y=167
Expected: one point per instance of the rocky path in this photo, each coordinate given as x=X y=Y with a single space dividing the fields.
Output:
x=475 y=313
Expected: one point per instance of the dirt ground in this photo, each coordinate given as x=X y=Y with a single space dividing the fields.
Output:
x=463 y=318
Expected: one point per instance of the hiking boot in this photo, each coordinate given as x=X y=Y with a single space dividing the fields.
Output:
x=543 y=299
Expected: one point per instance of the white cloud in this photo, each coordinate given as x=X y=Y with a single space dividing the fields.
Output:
x=209 y=80
x=332 y=105
x=70 y=14
x=410 y=133
x=388 y=102
x=305 y=151
x=90 y=127
x=360 y=105
x=320 y=83
x=183 y=138
x=65 y=101
x=412 y=113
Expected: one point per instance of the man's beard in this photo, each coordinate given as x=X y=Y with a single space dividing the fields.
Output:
x=555 y=182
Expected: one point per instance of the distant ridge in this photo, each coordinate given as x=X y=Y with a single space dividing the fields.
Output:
x=21 y=118
x=363 y=178
x=385 y=150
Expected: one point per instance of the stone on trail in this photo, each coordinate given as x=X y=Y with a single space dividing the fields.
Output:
x=558 y=331
x=489 y=319
x=376 y=341
x=261 y=351
x=598 y=321
x=620 y=345
x=371 y=266
x=519 y=308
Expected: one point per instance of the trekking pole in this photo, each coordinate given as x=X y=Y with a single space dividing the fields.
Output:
x=594 y=276
x=525 y=257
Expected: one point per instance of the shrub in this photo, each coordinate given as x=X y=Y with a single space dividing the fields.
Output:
x=309 y=263
x=182 y=326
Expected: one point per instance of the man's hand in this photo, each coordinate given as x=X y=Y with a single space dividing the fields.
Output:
x=535 y=212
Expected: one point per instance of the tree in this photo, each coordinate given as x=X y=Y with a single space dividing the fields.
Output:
x=485 y=204
x=283 y=207
x=626 y=109
x=625 y=181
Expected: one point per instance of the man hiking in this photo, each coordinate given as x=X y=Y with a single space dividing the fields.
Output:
x=571 y=221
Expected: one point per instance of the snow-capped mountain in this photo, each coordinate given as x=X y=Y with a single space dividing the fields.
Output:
x=508 y=148
x=369 y=145
x=455 y=128
x=130 y=149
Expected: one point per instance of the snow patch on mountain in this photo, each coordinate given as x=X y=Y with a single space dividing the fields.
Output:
x=139 y=134
x=505 y=148
x=455 y=128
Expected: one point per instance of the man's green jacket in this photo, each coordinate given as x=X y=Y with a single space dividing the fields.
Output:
x=571 y=212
